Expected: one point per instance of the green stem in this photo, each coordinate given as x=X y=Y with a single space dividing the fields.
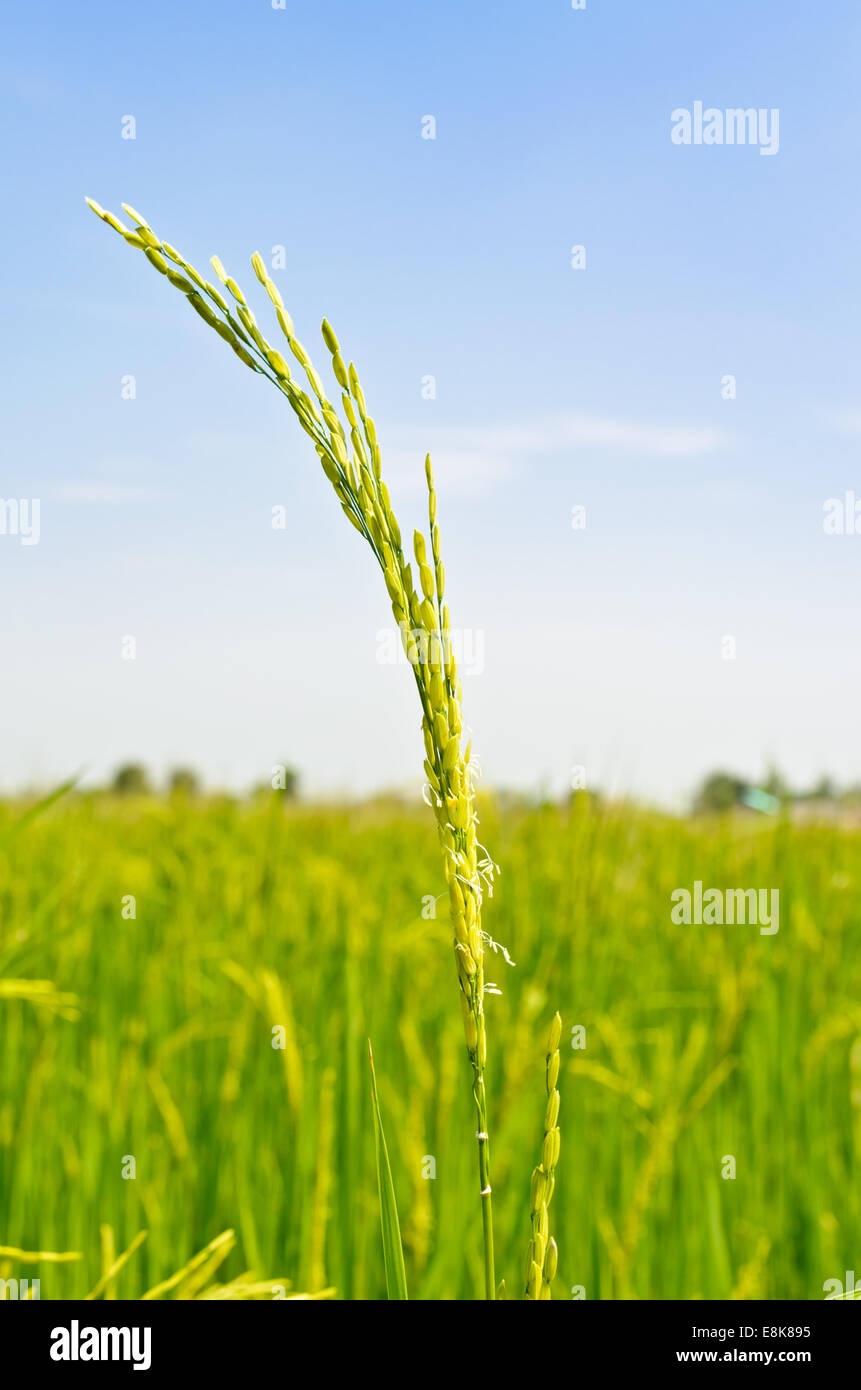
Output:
x=484 y=1181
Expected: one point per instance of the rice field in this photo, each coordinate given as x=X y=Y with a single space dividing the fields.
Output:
x=149 y=1037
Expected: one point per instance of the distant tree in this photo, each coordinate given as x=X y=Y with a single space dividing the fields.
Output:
x=183 y=781
x=824 y=790
x=130 y=780
x=720 y=791
x=776 y=785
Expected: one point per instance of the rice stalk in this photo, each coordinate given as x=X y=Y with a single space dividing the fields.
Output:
x=112 y=1269
x=223 y=1243
x=350 y=457
x=542 y=1255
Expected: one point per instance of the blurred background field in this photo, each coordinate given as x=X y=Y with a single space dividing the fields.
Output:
x=154 y=1040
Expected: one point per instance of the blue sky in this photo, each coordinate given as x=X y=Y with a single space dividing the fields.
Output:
x=599 y=387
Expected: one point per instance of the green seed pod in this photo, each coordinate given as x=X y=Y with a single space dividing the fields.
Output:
x=338 y=449
x=440 y=728
x=202 y=308
x=277 y=363
x=275 y=296
x=156 y=259
x=352 y=518
x=180 y=282
x=429 y=617
x=454 y=719
x=538 y=1188
x=259 y=268
x=135 y=216
x=217 y=297
x=451 y=753
x=551 y=1113
x=455 y=896
x=547 y=1152
x=299 y=352
x=329 y=337
x=190 y=270
x=392 y=584
x=117 y=225
x=134 y=240
x=287 y=324
x=316 y=383
x=551 y=1261
x=330 y=468
x=235 y=290
x=533 y=1287
x=256 y=336
x=426 y=581
x=555 y=1033
x=437 y=692
x=553 y=1071
x=219 y=269
x=419 y=548
x=466 y=960
x=244 y=356
x=339 y=369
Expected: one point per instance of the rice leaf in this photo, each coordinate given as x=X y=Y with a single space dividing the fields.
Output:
x=393 y=1251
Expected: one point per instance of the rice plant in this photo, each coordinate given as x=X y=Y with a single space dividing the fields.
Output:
x=350 y=456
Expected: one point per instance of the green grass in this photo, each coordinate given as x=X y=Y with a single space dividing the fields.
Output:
x=701 y=1042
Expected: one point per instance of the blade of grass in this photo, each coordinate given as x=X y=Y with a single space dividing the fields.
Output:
x=36 y=810
x=105 y=1284
x=393 y=1251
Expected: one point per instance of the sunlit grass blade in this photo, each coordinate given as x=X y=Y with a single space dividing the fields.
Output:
x=36 y=810
x=393 y=1251
x=227 y=1238
x=105 y=1284
x=32 y=1257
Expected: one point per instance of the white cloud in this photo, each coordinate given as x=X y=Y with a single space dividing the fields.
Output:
x=102 y=492
x=473 y=457
x=849 y=421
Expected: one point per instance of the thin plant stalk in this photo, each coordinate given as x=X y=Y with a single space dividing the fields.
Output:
x=350 y=458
